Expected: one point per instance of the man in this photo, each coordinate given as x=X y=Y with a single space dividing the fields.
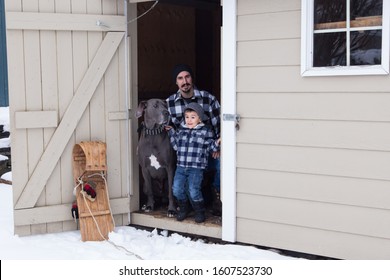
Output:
x=187 y=92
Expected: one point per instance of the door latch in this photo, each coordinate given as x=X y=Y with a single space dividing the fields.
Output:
x=232 y=118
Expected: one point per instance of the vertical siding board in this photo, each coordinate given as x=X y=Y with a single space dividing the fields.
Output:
x=124 y=128
x=112 y=95
x=34 y=100
x=50 y=102
x=112 y=128
x=124 y=147
x=97 y=106
x=65 y=94
x=13 y=5
x=17 y=84
x=80 y=66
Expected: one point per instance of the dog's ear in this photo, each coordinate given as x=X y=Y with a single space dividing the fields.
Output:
x=140 y=109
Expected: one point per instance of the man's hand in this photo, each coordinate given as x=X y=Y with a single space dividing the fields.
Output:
x=216 y=154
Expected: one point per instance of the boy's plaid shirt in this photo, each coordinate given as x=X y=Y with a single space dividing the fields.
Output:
x=193 y=145
x=211 y=107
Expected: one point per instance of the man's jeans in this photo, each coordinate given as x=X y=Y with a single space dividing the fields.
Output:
x=214 y=165
x=188 y=180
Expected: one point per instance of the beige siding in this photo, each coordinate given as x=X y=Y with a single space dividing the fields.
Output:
x=49 y=63
x=313 y=159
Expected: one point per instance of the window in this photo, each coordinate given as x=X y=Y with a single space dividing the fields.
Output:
x=345 y=37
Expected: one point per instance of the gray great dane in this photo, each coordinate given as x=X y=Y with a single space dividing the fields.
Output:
x=156 y=156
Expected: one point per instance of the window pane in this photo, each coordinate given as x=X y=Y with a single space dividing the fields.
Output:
x=366 y=47
x=329 y=49
x=366 y=13
x=366 y=8
x=329 y=14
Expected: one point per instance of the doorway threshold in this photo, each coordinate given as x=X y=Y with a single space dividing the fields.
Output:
x=212 y=227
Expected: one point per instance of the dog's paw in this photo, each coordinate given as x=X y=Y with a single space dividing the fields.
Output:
x=171 y=213
x=147 y=208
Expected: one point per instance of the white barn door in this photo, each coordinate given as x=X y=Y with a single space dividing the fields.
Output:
x=67 y=84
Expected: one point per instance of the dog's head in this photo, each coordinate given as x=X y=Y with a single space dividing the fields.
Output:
x=155 y=112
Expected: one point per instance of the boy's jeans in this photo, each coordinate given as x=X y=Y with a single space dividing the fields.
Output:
x=188 y=180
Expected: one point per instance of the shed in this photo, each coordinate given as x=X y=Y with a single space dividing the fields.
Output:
x=307 y=170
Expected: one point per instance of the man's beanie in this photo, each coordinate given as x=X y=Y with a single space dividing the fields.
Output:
x=198 y=109
x=179 y=68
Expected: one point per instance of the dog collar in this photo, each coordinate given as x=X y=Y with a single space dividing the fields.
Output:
x=153 y=131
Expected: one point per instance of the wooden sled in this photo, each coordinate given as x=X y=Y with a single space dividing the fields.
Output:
x=89 y=167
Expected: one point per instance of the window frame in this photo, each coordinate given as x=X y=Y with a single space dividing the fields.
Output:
x=307 y=35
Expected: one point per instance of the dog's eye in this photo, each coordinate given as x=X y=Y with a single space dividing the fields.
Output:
x=155 y=105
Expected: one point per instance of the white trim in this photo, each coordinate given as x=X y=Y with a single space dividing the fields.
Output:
x=228 y=100
x=307 y=47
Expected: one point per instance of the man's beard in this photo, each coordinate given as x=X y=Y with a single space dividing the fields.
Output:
x=188 y=90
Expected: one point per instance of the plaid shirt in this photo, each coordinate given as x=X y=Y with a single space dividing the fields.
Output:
x=211 y=107
x=192 y=145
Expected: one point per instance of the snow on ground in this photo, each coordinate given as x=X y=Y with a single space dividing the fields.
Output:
x=141 y=254
x=124 y=242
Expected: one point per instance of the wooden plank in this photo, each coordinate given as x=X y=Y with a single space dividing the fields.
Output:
x=313 y=133
x=11 y=5
x=112 y=129
x=50 y=102
x=187 y=226
x=320 y=188
x=81 y=63
x=309 y=160
x=336 y=106
x=69 y=122
x=16 y=85
x=304 y=213
x=312 y=241
x=367 y=21
x=33 y=92
x=65 y=95
x=60 y=212
x=112 y=104
x=330 y=25
x=97 y=106
x=64 y=21
x=358 y=22
x=36 y=119
x=134 y=190
x=124 y=124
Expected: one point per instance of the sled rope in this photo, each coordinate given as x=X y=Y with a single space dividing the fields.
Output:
x=118 y=247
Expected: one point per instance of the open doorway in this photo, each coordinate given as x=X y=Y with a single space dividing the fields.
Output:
x=179 y=32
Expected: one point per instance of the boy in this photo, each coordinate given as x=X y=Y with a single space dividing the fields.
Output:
x=193 y=142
